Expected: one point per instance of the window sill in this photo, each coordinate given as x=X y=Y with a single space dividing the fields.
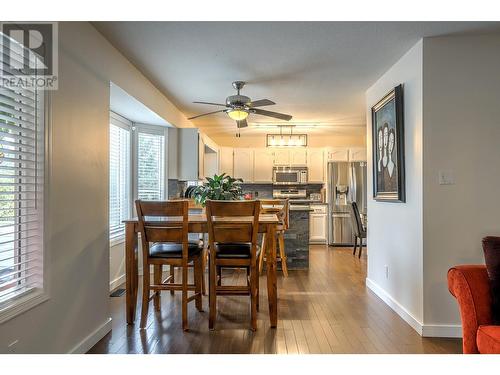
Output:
x=19 y=305
x=117 y=241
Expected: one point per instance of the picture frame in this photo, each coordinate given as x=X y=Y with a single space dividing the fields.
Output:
x=388 y=147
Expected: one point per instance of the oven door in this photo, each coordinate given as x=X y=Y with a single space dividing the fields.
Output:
x=286 y=177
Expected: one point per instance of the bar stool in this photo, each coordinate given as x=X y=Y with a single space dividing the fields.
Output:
x=232 y=232
x=164 y=231
x=280 y=207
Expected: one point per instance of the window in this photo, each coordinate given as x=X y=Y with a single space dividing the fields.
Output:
x=21 y=193
x=119 y=178
x=150 y=165
x=137 y=168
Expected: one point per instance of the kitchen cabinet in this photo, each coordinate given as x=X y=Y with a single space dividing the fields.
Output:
x=290 y=157
x=298 y=156
x=316 y=164
x=337 y=154
x=263 y=162
x=243 y=159
x=226 y=160
x=318 y=224
x=281 y=156
x=357 y=154
x=188 y=154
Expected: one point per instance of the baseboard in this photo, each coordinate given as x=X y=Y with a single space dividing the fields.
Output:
x=395 y=305
x=442 y=330
x=116 y=282
x=88 y=342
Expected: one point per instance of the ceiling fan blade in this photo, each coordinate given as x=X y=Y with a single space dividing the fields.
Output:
x=261 y=103
x=205 y=114
x=242 y=124
x=209 y=103
x=263 y=112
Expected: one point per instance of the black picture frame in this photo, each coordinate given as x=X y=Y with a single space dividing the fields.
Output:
x=389 y=164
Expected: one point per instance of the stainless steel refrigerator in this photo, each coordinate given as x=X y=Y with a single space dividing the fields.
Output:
x=346 y=183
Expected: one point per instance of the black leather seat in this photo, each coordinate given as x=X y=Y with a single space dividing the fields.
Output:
x=234 y=250
x=174 y=250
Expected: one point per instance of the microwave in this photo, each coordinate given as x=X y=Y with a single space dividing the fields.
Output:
x=289 y=175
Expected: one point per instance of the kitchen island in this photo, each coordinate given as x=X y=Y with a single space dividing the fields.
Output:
x=297 y=238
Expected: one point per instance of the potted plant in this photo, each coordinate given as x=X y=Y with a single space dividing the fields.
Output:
x=219 y=187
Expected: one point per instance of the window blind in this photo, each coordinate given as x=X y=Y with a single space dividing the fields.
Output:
x=21 y=187
x=150 y=166
x=119 y=180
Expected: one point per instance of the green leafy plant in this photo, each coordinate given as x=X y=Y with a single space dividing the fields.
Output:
x=219 y=187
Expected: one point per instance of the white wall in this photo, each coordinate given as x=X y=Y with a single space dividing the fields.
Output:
x=461 y=134
x=395 y=234
x=77 y=205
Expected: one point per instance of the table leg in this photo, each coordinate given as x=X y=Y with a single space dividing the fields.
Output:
x=272 y=290
x=131 y=272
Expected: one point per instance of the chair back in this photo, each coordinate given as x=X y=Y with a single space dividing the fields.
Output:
x=357 y=225
x=282 y=213
x=233 y=221
x=163 y=221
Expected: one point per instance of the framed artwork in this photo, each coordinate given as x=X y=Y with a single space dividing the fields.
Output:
x=388 y=148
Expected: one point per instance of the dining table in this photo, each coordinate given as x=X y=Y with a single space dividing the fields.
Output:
x=197 y=223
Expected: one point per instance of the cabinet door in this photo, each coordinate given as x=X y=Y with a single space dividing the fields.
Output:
x=337 y=154
x=226 y=161
x=264 y=160
x=243 y=164
x=298 y=156
x=188 y=150
x=281 y=157
x=357 y=154
x=317 y=228
x=316 y=164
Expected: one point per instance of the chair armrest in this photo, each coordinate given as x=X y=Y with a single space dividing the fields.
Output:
x=469 y=284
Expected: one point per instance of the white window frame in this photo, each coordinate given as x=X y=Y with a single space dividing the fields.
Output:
x=148 y=129
x=135 y=129
x=26 y=301
x=120 y=121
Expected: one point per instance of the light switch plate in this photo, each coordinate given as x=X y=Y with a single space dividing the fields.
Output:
x=446 y=177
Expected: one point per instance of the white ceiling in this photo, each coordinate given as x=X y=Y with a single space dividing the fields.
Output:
x=315 y=71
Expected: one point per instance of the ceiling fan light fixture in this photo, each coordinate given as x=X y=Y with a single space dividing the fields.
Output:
x=238 y=114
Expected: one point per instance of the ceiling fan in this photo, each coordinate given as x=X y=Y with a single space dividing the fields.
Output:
x=238 y=107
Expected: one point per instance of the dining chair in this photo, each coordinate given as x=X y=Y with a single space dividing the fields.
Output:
x=357 y=227
x=164 y=235
x=281 y=208
x=232 y=233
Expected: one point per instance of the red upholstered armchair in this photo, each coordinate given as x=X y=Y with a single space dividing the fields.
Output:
x=469 y=284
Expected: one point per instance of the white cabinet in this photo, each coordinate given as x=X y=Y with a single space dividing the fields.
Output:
x=357 y=154
x=281 y=157
x=226 y=161
x=290 y=157
x=263 y=165
x=337 y=154
x=298 y=156
x=243 y=164
x=316 y=164
x=188 y=154
x=318 y=224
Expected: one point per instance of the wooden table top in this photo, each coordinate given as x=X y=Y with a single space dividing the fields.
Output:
x=202 y=219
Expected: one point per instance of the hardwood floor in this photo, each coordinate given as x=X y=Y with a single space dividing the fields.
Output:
x=327 y=309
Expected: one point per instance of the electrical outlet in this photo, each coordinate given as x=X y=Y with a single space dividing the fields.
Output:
x=386 y=268
x=446 y=177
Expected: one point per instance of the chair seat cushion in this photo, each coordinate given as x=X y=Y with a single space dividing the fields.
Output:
x=234 y=250
x=488 y=339
x=174 y=250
